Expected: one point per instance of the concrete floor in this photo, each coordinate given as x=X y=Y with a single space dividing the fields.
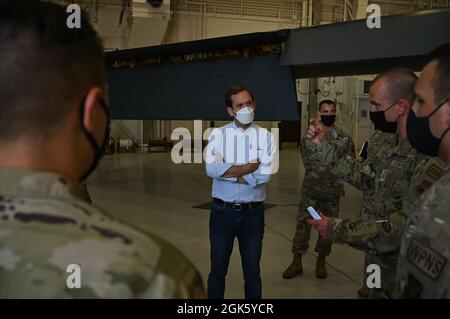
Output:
x=150 y=191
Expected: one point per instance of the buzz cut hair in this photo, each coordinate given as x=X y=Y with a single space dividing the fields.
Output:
x=441 y=80
x=330 y=102
x=400 y=84
x=45 y=67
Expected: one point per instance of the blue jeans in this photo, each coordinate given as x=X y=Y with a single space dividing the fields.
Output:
x=248 y=226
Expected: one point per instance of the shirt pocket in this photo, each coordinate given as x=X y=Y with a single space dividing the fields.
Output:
x=393 y=185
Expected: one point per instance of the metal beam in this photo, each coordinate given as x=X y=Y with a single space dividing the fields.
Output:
x=214 y=44
x=195 y=90
x=353 y=48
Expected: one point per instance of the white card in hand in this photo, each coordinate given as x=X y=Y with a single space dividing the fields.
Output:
x=314 y=214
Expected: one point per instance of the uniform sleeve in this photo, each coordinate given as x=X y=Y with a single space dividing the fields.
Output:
x=385 y=236
x=342 y=165
x=307 y=149
x=375 y=235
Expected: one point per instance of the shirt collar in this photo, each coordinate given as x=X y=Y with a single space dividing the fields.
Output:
x=233 y=125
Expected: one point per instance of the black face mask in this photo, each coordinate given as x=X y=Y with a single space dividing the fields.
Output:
x=328 y=120
x=98 y=150
x=419 y=133
x=379 y=120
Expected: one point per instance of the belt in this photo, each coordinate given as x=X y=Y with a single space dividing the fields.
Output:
x=238 y=206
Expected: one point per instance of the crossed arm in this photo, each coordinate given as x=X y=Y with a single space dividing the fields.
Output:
x=240 y=170
x=242 y=174
x=249 y=174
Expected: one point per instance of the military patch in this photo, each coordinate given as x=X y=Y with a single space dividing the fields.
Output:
x=428 y=261
x=435 y=172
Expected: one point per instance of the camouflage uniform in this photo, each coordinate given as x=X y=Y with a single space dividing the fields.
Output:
x=377 y=141
x=321 y=190
x=423 y=266
x=44 y=227
x=396 y=173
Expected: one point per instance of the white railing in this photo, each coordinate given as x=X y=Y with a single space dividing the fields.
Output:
x=282 y=9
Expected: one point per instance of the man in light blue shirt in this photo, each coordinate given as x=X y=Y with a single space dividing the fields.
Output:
x=240 y=158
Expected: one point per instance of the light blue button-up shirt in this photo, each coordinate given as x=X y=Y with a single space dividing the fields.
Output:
x=230 y=145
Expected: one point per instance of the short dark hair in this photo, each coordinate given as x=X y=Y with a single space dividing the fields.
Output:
x=326 y=102
x=235 y=90
x=441 y=80
x=400 y=84
x=44 y=66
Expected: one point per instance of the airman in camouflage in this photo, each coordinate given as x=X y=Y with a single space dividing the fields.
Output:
x=389 y=172
x=396 y=190
x=423 y=269
x=377 y=141
x=53 y=242
x=320 y=189
x=45 y=227
x=362 y=233
x=349 y=169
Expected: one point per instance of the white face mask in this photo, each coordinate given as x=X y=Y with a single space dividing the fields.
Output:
x=245 y=115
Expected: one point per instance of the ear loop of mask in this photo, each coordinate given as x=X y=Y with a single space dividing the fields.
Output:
x=445 y=132
x=378 y=118
x=98 y=150
x=440 y=105
x=390 y=107
x=434 y=111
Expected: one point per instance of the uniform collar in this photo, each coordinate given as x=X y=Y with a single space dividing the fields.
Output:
x=35 y=183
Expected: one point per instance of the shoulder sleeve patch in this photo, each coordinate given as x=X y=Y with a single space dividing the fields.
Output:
x=435 y=172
